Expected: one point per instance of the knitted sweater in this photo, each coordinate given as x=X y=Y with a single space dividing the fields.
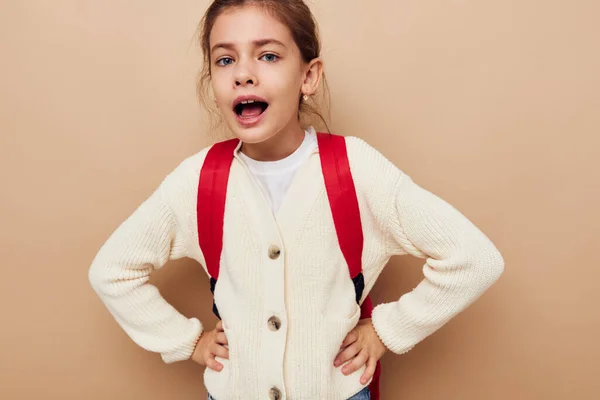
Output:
x=305 y=286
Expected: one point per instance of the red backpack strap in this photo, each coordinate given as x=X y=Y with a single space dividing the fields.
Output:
x=346 y=217
x=210 y=206
x=344 y=203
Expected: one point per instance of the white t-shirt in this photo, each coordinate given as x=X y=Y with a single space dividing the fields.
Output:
x=275 y=177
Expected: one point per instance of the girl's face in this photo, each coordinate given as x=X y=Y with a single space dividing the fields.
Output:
x=257 y=74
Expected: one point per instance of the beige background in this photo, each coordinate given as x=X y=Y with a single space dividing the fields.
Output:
x=493 y=105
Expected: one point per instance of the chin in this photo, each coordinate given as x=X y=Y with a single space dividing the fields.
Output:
x=253 y=135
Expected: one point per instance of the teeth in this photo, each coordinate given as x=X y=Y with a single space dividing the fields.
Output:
x=247 y=101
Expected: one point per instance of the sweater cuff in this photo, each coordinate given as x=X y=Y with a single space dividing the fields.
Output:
x=390 y=333
x=185 y=350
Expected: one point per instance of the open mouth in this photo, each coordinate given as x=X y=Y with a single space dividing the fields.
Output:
x=250 y=108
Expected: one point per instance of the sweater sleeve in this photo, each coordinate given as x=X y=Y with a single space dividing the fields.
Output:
x=461 y=264
x=119 y=274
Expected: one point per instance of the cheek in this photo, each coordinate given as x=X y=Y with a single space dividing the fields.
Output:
x=219 y=83
x=287 y=88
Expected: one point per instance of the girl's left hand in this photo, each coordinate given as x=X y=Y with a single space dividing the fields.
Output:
x=363 y=346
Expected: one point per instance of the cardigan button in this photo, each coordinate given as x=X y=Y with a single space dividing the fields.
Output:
x=274 y=394
x=274 y=323
x=274 y=252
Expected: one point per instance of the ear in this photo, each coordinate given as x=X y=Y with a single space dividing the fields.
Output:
x=312 y=76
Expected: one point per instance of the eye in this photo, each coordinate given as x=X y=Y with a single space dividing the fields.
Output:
x=270 y=57
x=224 y=61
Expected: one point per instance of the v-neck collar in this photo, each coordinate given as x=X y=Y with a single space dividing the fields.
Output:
x=305 y=189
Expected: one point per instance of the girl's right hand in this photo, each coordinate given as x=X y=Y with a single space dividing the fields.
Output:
x=209 y=345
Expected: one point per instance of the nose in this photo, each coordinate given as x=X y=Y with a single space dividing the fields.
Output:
x=244 y=75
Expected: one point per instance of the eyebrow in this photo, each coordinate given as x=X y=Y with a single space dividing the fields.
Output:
x=257 y=43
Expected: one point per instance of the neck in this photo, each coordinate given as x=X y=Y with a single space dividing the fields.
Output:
x=278 y=147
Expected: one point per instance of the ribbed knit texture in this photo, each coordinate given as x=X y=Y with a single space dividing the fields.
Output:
x=308 y=287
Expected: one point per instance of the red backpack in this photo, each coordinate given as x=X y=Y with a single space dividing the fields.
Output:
x=212 y=192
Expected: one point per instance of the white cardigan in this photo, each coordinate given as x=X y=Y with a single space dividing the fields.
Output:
x=307 y=287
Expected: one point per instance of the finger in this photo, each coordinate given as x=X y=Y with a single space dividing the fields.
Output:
x=356 y=363
x=220 y=351
x=345 y=355
x=221 y=338
x=369 y=372
x=214 y=364
x=219 y=326
x=350 y=338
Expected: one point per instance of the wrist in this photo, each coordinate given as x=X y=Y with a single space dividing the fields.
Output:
x=196 y=353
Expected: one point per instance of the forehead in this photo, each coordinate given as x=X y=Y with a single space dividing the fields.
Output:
x=248 y=23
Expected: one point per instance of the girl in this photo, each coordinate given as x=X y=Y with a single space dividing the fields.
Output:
x=290 y=325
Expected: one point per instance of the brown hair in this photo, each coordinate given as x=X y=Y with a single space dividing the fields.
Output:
x=294 y=14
